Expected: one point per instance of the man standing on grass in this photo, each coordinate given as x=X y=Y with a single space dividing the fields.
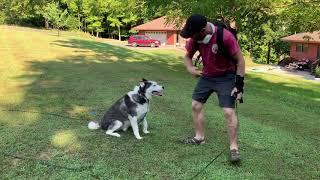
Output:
x=223 y=74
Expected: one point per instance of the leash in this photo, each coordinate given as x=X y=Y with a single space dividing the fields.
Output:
x=37 y=112
x=46 y=162
x=215 y=158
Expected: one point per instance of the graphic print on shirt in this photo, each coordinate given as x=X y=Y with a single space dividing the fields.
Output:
x=214 y=48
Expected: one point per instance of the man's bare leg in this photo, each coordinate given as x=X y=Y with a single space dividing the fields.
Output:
x=198 y=119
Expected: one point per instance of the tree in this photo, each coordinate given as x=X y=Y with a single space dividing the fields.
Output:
x=260 y=23
x=300 y=16
x=95 y=25
x=75 y=7
x=55 y=15
x=93 y=11
x=115 y=22
x=85 y=14
x=124 y=12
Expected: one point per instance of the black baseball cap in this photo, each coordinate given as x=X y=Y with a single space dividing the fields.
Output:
x=193 y=25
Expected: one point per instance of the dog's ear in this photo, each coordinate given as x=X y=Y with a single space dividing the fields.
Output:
x=142 y=83
x=144 y=80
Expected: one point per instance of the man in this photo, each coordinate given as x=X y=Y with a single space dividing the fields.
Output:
x=221 y=74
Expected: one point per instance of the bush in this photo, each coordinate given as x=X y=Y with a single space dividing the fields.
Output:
x=314 y=65
x=286 y=61
x=304 y=64
x=2 y=18
x=292 y=64
x=72 y=23
x=317 y=72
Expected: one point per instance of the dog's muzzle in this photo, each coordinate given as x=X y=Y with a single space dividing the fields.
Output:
x=158 y=93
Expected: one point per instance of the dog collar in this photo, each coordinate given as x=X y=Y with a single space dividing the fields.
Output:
x=142 y=94
x=140 y=98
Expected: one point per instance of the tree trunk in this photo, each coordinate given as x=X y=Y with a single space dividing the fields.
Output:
x=85 y=25
x=97 y=34
x=109 y=34
x=251 y=45
x=119 y=33
x=46 y=23
x=79 y=21
x=268 y=54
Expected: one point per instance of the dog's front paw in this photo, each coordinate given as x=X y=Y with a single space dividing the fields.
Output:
x=146 y=132
x=139 y=137
x=113 y=134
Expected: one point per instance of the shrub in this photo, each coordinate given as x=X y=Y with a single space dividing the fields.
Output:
x=301 y=65
x=314 y=65
x=286 y=61
x=304 y=64
x=317 y=72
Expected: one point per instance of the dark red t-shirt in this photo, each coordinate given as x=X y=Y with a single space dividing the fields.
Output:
x=215 y=64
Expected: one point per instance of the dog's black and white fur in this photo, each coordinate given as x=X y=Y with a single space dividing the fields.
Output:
x=129 y=110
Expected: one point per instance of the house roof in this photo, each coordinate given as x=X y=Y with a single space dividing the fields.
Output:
x=158 y=24
x=312 y=37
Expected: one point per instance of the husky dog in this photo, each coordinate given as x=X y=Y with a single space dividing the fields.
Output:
x=129 y=110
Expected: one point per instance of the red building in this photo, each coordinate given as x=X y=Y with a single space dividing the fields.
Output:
x=166 y=33
x=304 y=45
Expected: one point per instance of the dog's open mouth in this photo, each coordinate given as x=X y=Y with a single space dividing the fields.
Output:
x=157 y=93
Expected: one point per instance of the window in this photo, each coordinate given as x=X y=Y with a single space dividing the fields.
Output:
x=302 y=47
x=145 y=38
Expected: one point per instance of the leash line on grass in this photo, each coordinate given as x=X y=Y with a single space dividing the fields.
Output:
x=46 y=163
x=315 y=139
x=215 y=158
x=236 y=109
x=84 y=168
x=37 y=112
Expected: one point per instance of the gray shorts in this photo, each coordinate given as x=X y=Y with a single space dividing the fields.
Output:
x=222 y=85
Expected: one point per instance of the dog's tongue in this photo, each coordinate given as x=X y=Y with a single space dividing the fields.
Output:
x=158 y=93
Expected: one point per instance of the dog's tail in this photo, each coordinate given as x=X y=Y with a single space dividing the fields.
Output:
x=93 y=125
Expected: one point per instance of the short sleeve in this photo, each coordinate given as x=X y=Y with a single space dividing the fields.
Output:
x=191 y=47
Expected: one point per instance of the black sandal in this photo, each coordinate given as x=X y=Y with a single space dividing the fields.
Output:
x=193 y=141
x=234 y=156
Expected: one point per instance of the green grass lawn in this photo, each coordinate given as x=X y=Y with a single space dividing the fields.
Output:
x=43 y=75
